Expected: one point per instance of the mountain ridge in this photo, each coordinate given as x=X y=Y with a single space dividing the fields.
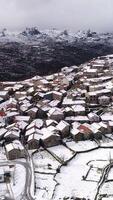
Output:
x=34 y=52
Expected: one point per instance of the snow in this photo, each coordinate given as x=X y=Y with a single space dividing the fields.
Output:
x=94 y=175
x=3 y=190
x=107 y=188
x=44 y=162
x=71 y=179
x=110 y=175
x=81 y=145
x=62 y=152
x=2 y=155
x=98 y=163
x=71 y=183
x=18 y=181
x=45 y=186
x=106 y=142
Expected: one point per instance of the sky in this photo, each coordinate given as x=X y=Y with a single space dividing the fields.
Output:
x=73 y=15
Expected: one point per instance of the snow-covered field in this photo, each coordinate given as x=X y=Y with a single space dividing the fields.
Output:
x=71 y=181
x=79 y=178
x=107 y=188
x=44 y=186
x=44 y=162
x=62 y=152
x=110 y=175
x=81 y=146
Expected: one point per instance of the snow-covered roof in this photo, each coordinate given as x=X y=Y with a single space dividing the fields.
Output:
x=67 y=101
x=50 y=121
x=16 y=144
x=32 y=131
x=74 y=131
x=2 y=131
x=107 y=116
x=78 y=108
x=22 y=118
x=62 y=125
x=34 y=136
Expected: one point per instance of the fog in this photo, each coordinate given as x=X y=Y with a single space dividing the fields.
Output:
x=74 y=15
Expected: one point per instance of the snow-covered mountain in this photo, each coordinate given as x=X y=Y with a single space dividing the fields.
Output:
x=33 y=51
x=35 y=36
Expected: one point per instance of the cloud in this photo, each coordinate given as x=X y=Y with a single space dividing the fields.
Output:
x=70 y=14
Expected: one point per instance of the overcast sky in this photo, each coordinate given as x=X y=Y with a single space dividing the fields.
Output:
x=62 y=14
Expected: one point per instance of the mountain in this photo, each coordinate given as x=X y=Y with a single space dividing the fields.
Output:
x=33 y=51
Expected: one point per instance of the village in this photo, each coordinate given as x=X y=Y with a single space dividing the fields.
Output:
x=47 y=120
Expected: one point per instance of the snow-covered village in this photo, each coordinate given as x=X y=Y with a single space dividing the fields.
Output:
x=56 y=134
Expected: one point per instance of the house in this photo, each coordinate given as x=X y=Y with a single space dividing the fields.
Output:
x=75 y=125
x=2 y=113
x=53 y=95
x=70 y=102
x=105 y=127
x=37 y=123
x=21 y=125
x=52 y=129
x=56 y=114
x=4 y=94
x=2 y=132
x=42 y=111
x=50 y=122
x=12 y=103
x=97 y=134
x=54 y=103
x=78 y=109
x=107 y=116
x=81 y=119
x=30 y=91
x=22 y=118
x=64 y=128
x=86 y=130
x=104 y=100
x=33 y=141
x=68 y=111
x=93 y=117
x=14 y=150
x=32 y=112
x=10 y=116
x=43 y=82
x=1 y=100
x=19 y=94
x=89 y=72
x=57 y=95
x=49 y=139
x=110 y=124
x=92 y=97
x=12 y=134
x=32 y=130
x=23 y=108
x=17 y=86
x=102 y=127
x=76 y=134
